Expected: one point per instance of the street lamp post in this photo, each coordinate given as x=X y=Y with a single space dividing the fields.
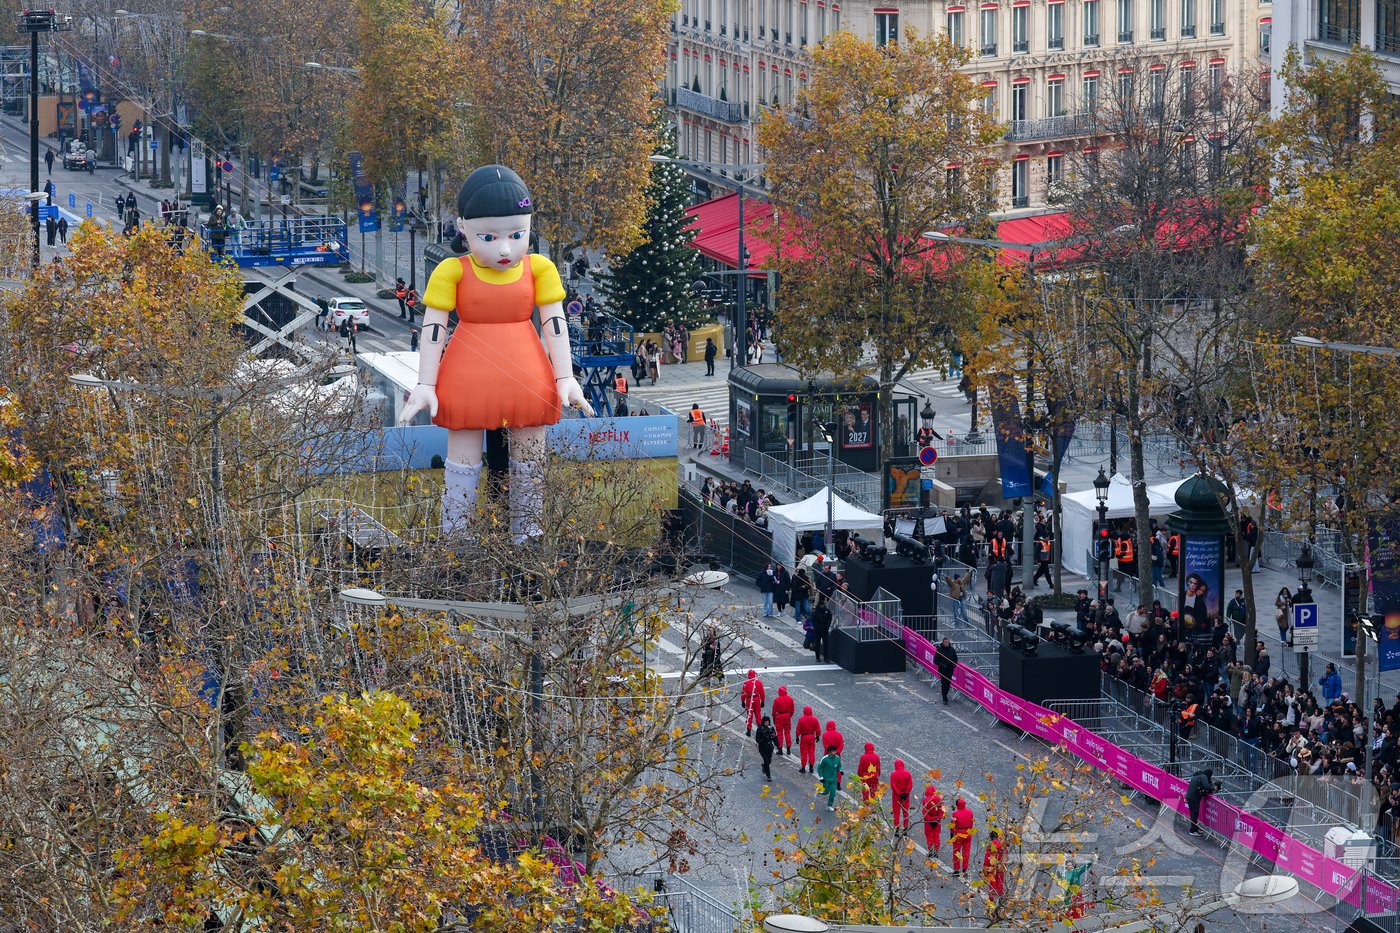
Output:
x=828 y=545
x=741 y=323
x=36 y=22
x=1305 y=564
x=1101 y=548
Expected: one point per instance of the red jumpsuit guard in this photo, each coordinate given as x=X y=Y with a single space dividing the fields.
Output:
x=994 y=867
x=868 y=770
x=783 y=708
x=833 y=740
x=901 y=787
x=808 y=727
x=960 y=834
x=753 y=696
x=934 y=812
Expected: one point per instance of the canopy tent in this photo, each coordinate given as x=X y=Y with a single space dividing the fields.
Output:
x=788 y=521
x=1081 y=509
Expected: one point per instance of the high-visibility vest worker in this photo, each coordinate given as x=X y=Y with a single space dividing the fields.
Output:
x=998 y=547
x=697 y=417
x=1125 y=550
x=1045 y=546
x=620 y=385
x=1188 y=715
x=1174 y=545
x=401 y=292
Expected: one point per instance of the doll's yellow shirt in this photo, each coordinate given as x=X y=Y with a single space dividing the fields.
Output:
x=441 y=292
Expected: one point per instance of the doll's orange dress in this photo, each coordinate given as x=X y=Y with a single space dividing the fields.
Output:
x=494 y=372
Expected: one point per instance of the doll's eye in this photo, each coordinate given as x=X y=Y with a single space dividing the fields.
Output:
x=487 y=237
x=518 y=235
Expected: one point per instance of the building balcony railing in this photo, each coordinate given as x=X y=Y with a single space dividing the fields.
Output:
x=1020 y=45
x=1125 y=35
x=1385 y=43
x=1159 y=33
x=1188 y=32
x=1217 y=29
x=1091 y=40
x=1057 y=43
x=1334 y=32
x=709 y=106
x=1071 y=124
x=989 y=51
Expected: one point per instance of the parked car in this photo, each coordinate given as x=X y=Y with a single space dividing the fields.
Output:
x=75 y=156
x=352 y=309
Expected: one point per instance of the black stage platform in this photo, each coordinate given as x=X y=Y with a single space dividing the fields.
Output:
x=901 y=576
x=873 y=656
x=1052 y=673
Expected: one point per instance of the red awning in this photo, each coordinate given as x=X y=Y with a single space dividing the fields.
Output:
x=715 y=227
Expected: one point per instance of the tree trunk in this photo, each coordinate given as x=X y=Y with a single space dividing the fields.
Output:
x=886 y=409
x=1137 y=474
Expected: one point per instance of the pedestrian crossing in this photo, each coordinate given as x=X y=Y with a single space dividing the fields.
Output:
x=750 y=641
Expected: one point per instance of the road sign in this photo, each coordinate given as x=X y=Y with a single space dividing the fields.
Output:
x=928 y=456
x=89 y=210
x=72 y=199
x=574 y=308
x=1305 y=633
x=155 y=144
x=47 y=212
x=226 y=165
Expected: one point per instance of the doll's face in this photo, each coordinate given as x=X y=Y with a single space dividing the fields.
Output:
x=497 y=242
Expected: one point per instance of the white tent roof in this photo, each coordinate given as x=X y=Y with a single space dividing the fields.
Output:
x=810 y=513
x=1120 y=497
x=788 y=521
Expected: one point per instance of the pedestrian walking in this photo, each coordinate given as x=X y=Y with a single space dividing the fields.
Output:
x=711 y=658
x=808 y=726
x=801 y=595
x=51 y=230
x=63 y=230
x=1202 y=785
x=782 y=586
x=120 y=205
x=830 y=771
x=323 y=310
x=48 y=160
x=783 y=708
x=753 y=695
x=821 y=628
x=832 y=738
x=400 y=294
x=711 y=351
x=347 y=335
x=766 y=584
x=901 y=788
x=994 y=866
x=413 y=339
x=767 y=740
x=697 y=425
x=933 y=814
x=1043 y=548
x=945 y=658
x=960 y=835
x=868 y=770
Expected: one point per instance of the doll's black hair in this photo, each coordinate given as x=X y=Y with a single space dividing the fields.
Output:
x=491 y=191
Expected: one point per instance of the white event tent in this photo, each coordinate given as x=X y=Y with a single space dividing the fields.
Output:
x=788 y=521
x=1081 y=509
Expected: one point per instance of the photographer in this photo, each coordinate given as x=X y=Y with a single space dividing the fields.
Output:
x=1203 y=785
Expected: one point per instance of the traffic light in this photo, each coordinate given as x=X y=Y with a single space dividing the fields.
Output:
x=1103 y=545
x=792 y=406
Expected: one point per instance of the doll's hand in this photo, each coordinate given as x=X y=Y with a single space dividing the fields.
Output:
x=422 y=398
x=572 y=394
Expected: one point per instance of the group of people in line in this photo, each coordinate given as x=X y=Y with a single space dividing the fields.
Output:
x=775 y=734
x=739 y=499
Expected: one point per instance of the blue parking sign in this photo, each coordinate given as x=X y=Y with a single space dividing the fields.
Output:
x=1305 y=633
x=89 y=210
x=72 y=199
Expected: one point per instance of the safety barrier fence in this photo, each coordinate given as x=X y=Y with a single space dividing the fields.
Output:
x=1244 y=828
x=811 y=473
x=688 y=909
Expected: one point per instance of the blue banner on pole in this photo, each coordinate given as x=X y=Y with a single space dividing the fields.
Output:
x=1383 y=554
x=89 y=210
x=364 y=195
x=1011 y=437
x=72 y=199
x=396 y=220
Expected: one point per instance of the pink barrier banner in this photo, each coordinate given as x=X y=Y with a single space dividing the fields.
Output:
x=1300 y=859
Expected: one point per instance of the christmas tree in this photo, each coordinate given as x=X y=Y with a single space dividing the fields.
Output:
x=652 y=286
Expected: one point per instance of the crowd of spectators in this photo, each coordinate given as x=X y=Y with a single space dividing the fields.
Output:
x=739 y=499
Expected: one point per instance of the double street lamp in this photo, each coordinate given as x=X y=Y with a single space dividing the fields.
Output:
x=749 y=170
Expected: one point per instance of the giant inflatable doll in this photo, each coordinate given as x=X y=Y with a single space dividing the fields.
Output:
x=495 y=371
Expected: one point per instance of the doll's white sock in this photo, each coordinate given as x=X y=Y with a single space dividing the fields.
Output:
x=526 y=499
x=459 y=496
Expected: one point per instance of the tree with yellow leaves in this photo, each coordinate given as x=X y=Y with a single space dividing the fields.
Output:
x=565 y=91
x=886 y=144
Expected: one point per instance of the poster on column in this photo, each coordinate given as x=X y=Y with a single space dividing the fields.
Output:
x=1383 y=554
x=199 y=173
x=1201 y=582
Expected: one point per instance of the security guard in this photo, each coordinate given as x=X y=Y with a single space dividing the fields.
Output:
x=401 y=292
x=697 y=423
